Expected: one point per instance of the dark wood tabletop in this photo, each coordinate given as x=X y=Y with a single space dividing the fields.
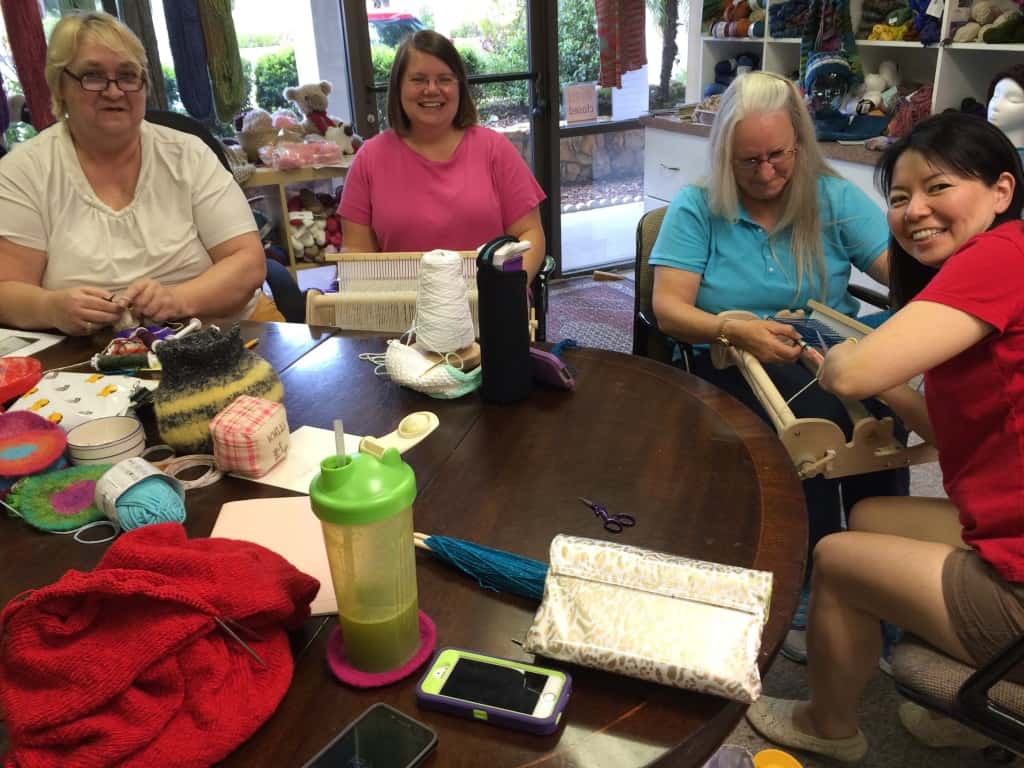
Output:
x=703 y=476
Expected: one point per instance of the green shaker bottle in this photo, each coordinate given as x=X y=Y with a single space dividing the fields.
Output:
x=365 y=509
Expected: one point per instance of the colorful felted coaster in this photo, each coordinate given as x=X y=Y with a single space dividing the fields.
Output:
x=17 y=376
x=28 y=443
x=59 y=501
x=346 y=673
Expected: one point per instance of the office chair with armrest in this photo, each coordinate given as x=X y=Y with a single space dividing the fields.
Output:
x=981 y=699
x=817 y=446
x=283 y=286
x=648 y=340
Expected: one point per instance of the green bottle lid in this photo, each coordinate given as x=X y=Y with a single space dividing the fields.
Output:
x=360 y=489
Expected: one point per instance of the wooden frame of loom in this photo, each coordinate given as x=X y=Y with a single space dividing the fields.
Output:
x=377 y=292
x=818 y=446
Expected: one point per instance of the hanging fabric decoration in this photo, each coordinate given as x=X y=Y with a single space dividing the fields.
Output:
x=189 y=52
x=28 y=45
x=5 y=114
x=223 y=59
x=620 y=34
x=139 y=18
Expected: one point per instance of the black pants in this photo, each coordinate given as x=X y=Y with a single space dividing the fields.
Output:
x=826 y=499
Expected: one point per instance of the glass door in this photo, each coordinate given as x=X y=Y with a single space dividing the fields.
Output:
x=505 y=45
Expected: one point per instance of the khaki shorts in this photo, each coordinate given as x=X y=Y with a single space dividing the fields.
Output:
x=987 y=612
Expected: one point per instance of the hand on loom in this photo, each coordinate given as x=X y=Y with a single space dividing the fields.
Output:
x=768 y=341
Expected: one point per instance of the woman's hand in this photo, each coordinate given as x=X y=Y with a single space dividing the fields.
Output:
x=83 y=310
x=152 y=300
x=767 y=340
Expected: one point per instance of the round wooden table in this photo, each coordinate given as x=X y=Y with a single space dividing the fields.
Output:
x=702 y=475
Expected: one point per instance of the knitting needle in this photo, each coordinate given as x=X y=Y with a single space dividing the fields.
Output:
x=241 y=642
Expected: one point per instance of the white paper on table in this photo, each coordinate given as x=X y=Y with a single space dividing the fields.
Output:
x=16 y=343
x=307 y=448
x=286 y=526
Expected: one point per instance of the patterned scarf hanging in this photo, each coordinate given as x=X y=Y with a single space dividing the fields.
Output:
x=223 y=59
x=28 y=45
x=189 y=52
x=139 y=18
x=620 y=34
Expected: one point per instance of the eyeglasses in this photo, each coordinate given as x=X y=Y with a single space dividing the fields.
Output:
x=776 y=159
x=421 y=81
x=96 y=83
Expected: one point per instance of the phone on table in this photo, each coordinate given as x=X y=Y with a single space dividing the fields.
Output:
x=496 y=690
x=381 y=737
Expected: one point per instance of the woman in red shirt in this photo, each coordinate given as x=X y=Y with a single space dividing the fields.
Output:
x=948 y=570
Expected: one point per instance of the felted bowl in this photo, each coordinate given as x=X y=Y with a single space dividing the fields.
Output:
x=107 y=440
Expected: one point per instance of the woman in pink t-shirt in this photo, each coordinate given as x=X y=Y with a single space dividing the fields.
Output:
x=436 y=179
x=949 y=570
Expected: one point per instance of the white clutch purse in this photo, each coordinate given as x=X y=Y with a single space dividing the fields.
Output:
x=686 y=623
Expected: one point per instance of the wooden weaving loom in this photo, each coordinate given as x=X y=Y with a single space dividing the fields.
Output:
x=818 y=446
x=377 y=292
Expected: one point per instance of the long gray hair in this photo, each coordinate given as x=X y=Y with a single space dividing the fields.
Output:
x=758 y=92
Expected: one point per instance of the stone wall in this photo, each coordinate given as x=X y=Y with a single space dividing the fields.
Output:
x=596 y=156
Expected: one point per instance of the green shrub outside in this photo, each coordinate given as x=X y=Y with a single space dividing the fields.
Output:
x=382 y=56
x=273 y=73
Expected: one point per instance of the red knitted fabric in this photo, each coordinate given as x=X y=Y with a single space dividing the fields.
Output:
x=126 y=666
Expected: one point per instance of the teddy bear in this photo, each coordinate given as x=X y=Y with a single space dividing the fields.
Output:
x=257 y=130
x=311 y=101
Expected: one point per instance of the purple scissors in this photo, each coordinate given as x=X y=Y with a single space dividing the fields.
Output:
x=612 y=523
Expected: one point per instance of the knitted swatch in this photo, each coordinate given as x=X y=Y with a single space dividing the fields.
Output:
x=202 y=374
x=59 y=501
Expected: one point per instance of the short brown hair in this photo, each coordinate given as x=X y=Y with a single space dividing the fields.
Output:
x=440 y=47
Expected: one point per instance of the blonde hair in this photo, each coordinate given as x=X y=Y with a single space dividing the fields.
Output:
x=762 y=92
x=67 y=37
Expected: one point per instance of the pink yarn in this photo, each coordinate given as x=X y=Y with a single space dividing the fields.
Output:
x=349 y=675
x=28 y=45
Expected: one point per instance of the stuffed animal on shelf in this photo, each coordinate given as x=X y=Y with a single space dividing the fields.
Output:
x=257 y=131
x=311 y=101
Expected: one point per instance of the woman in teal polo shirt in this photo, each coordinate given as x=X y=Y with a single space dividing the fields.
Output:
x=774 y=227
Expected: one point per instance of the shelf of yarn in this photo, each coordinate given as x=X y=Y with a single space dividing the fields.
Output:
x=955 y=69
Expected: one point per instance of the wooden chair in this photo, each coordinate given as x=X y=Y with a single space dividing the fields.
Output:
x=981 y=699
x=648 y=341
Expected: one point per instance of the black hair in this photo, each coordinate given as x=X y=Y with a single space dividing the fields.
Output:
x=966 y=145
x=440 y=47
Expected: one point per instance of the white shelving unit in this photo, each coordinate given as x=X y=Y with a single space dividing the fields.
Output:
x=957 y=70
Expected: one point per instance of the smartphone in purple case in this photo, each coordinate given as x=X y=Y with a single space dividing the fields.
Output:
x=500 y=691
x=549 y=369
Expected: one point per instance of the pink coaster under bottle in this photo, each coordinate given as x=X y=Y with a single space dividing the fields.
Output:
x=349 y=675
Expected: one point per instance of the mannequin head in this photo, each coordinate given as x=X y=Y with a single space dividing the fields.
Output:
x=1006 y=103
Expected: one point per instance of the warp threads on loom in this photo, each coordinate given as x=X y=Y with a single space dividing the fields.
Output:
x=443 y=320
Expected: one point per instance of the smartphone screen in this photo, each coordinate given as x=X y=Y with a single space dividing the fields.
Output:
x=382 y=737
x=516 y=689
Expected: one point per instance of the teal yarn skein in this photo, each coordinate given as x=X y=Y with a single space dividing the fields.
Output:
x=150 y=501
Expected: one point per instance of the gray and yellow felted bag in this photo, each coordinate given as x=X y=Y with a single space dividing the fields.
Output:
x=202 y=374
